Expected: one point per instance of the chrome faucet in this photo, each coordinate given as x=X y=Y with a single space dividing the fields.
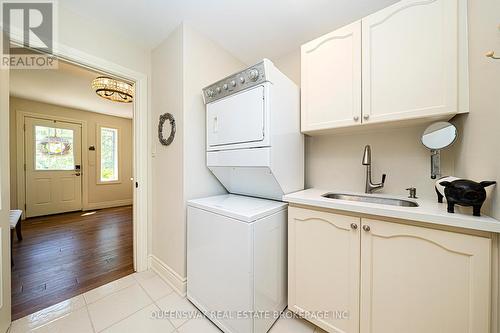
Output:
x=367 y=160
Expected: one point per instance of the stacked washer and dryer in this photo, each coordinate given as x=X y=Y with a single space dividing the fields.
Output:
x=237 y=248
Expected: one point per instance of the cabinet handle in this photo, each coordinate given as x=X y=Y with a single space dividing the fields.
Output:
x=366 y=116
x=354 y=226
x=356 y=118
x=366 y=228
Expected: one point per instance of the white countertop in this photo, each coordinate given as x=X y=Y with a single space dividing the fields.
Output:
x=428 y=211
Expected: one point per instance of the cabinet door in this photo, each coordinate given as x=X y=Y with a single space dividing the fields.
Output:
x=410 y=61
x=323 y=268
x=416 y=280
x=331 y=80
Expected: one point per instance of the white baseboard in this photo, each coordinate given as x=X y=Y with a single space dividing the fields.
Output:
x=169 y=275
x=108 y=204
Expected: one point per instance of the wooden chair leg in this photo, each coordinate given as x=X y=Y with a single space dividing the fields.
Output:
x=18 y=231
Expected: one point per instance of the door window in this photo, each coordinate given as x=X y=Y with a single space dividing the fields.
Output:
x=54 y=148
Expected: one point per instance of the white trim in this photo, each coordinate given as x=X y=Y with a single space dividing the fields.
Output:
x=141 y=130
x=169 y=275
x=108 y=204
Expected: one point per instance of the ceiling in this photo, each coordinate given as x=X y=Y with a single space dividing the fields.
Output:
x=68 y=86
x=250 y=30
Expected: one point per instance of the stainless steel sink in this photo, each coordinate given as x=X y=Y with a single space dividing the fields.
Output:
x=371 y=199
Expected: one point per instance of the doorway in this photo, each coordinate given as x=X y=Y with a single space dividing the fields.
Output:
x=141 y=160
x=72 y=159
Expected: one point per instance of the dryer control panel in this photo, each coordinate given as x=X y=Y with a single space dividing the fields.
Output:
x=247 y=78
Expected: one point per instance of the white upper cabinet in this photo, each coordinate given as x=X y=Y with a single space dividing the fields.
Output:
x=410 y=60
x=404 y=63
x=331 y=80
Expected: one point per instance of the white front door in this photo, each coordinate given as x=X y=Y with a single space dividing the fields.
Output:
x=53 y=167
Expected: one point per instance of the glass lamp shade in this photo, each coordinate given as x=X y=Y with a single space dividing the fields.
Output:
x=114 y=90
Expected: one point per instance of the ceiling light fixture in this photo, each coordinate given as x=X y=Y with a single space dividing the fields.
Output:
x=114 y=90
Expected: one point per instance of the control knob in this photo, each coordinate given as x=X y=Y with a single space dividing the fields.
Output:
x=253 y=74
x=233 y=83
x=218 y=90
x=242 y=79
x=225 y=86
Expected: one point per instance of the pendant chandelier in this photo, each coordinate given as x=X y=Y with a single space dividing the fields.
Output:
x=114 y=90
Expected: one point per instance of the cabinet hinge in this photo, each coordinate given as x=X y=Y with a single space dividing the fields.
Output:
x=24 y=166
x=136 y=185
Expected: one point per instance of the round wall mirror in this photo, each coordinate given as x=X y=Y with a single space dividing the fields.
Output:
x=436 y=137
x=439 y=135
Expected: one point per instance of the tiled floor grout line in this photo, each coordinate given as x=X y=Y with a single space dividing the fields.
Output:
x=90 y=319
x=133 y=313
x=155 y=302
x=170 y=321
x=119 y=321
x=111 y=293
x=88 y=312
x=152 y=303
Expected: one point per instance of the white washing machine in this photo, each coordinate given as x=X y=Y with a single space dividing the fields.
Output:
x=236 y=263
x=237 y=260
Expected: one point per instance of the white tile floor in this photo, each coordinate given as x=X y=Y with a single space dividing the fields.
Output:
x=127 y=305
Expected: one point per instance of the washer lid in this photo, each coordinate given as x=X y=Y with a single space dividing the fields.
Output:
x=246 y=209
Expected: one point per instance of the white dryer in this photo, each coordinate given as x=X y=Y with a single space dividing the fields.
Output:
x=236 y=262
x=254 y=144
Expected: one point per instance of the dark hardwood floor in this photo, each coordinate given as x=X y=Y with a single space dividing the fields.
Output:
x=64 y=255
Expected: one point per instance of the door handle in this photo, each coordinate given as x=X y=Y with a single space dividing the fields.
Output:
x=78 y=174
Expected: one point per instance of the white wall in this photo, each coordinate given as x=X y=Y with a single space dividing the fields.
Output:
x=168 y=228
x=182 y=65
x=478 y=153
x=334 y=161
x=5 y=273
x=204 y=63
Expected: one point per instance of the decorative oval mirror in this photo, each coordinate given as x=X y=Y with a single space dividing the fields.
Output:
x=435 y=137
x=439 y=135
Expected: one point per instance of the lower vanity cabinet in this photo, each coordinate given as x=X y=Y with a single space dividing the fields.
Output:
x=323 y=268
x=387 y=277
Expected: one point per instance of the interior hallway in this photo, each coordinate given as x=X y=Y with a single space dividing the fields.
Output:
x=65 y=255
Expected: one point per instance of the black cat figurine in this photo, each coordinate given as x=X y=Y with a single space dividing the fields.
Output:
x=465 y=192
